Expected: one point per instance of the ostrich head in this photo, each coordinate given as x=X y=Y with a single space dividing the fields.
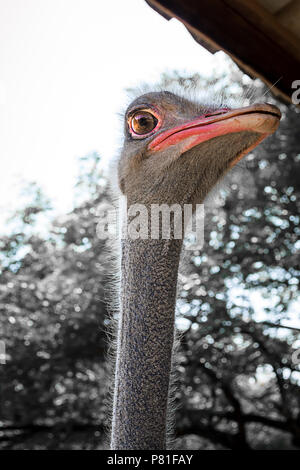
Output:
x=176 y=150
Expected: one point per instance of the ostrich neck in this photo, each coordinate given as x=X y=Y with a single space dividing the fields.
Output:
x=145 y=339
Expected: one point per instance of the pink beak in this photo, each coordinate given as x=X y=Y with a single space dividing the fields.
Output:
x=260 y=118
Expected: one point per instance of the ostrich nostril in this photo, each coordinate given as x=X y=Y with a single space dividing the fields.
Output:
x=216 y=113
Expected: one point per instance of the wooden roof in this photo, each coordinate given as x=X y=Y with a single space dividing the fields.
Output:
x=262 y=36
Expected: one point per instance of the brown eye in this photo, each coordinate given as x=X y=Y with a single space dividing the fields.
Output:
x=143 y=122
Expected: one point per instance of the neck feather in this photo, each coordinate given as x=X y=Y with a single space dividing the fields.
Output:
x=145 y=340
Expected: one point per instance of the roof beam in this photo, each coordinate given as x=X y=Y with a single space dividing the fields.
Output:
x=251 y=35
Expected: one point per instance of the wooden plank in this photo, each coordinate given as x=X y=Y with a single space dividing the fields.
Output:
x=252 y=41
x=274 y=5
x=289 y=17
x=265 y=22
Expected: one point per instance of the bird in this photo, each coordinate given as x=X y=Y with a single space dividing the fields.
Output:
x=175 y=150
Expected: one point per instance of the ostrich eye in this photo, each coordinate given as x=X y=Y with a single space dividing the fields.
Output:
x=143 y=122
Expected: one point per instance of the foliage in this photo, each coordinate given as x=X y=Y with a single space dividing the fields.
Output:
x=52 y=309
x=240 y=384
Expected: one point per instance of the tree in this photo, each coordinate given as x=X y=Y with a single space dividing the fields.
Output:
x=240 y=385
x=53 y=310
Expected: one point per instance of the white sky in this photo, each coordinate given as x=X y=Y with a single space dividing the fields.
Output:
x=64 y=65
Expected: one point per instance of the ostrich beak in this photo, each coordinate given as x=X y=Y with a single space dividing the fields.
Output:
x=262 y=119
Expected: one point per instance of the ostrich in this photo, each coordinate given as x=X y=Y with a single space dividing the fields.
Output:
x=174 y=152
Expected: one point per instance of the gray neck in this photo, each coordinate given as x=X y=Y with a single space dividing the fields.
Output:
x=145 y=340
